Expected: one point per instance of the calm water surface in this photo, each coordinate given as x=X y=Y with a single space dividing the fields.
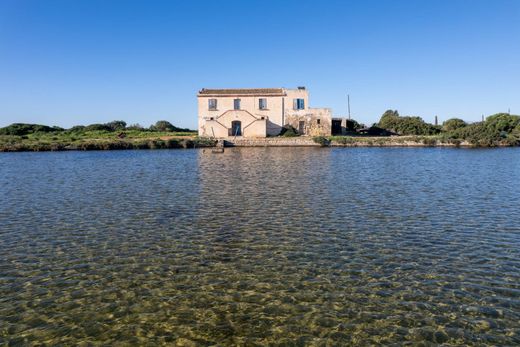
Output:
x=261 y=246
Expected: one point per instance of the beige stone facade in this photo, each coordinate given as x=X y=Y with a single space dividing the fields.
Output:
x=259 y=113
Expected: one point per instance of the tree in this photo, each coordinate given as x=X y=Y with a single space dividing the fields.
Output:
x=162 y=125
x=390 y=120
x=24 y=129
x=352 y=125
x=453 y=124
x=116 y=125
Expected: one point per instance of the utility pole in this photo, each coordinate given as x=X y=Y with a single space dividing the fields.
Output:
x=509 y=111
x=482 y=117
x=436 y=121
x=348 y=105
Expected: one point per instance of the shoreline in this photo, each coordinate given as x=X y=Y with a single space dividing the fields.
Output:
x=196 y=142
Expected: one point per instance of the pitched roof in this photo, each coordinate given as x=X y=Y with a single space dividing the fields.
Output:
x=254 y=91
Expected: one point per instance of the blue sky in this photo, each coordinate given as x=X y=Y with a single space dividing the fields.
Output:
x=68 y=62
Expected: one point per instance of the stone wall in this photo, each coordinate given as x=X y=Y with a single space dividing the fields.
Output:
x=306 y=141
x=272 y=142
x=316 y=121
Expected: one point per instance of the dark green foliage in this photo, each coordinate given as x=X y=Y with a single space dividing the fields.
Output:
x=323 y=141
x=116 y=125
x=453 y=124
x=163 y=125
x=77 y=129
x=375 y=131
x=352 y=125
x=390 y=120
x=496 y=130
x=24 y=129
x=288 y=131
x=97 y=127
x=429 y=141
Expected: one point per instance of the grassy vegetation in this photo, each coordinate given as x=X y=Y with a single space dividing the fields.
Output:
x=113 y=135
x=497 y=130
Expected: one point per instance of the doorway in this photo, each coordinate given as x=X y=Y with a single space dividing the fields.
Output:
x=336 y=127
x=236 y=128
x=301 y=127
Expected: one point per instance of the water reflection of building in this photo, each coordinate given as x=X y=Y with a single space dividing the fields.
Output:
x=244 y=188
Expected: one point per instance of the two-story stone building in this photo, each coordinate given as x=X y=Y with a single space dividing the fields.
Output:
x=259 y=112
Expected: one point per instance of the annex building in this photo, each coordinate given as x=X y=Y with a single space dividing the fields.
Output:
x=259 y=112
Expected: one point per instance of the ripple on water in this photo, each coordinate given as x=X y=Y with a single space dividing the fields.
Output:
x=301 y=246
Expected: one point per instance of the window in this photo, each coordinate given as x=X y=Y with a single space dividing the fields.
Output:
x=298 y=104
x=262 y=104
x=236 y=104
x=318 y=121
x=212 y=104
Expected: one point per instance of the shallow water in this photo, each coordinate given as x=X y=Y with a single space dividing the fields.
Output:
x=256 y=246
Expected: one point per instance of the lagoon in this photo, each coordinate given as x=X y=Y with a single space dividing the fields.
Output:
x=258 y=246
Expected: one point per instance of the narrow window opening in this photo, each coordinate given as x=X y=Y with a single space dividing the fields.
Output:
x=319 y=121
x=212 y=104
x=236 y=104
x=262 y=104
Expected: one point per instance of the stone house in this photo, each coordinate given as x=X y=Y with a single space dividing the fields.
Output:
x=259 y=112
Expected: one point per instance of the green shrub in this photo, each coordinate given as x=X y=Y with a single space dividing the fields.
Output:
x=390 y=120
x=173 y=143
x=352 y=125
x=288 y=131
x=97 y=127
x=323 y=141
x=453 y=124
x=428 y=141
x=116 y=125
x=496 y=130
x=163 y=125
x=24 y=129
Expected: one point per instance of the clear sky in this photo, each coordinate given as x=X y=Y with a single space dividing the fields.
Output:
x=66 y=62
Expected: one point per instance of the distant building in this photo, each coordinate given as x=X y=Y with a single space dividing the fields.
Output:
x=259 y=112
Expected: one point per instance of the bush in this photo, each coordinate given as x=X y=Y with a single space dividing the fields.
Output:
x=352 y=125
x=77 y=129
x=166 y=126
x=496 y=130
x=116 y=125
x=390 y=120
x=453 y=124
x=288 y=131
x=428 y=141
x=97 y=127
x=24 y=129
x=323 y=141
